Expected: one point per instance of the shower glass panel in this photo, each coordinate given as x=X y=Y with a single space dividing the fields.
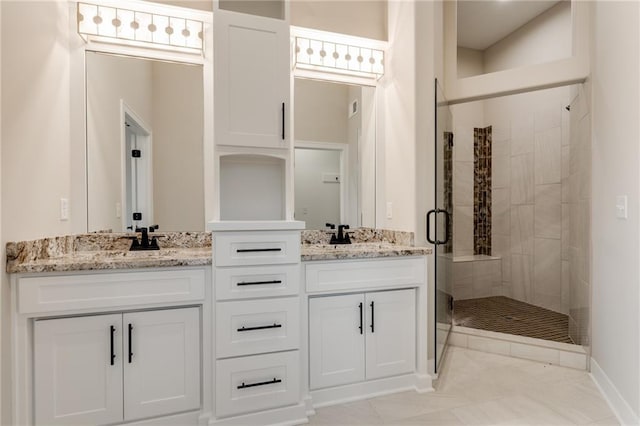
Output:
x=442 y=214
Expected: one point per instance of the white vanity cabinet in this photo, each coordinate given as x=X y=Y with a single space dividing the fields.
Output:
x=111 y=347
x=364 y=336
x=367 y=328
x=258 y=324
x=251 y=80
x=120 y=367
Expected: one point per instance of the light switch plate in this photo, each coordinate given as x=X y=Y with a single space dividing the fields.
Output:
x=621 y=207
x=389 y=210
x=64 y=209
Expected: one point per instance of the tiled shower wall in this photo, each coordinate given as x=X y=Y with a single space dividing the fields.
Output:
x=530 y=132
x=530 y=192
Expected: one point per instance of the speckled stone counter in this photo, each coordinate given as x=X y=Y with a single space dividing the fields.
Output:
x=107 y=251
x=312 y=252
x=101 y=251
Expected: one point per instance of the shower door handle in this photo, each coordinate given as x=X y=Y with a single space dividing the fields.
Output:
x=447 y=221
x=429 y=213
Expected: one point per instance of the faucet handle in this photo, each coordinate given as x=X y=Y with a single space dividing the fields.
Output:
x=330 y=225
x=153 y=227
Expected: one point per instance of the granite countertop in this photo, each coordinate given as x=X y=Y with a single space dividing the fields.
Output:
x=103 y=251
x=368 y=250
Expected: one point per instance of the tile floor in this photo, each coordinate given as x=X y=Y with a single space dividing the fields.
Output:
x=477 y=388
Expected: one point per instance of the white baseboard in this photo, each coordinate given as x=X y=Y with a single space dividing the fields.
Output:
x=624 y=413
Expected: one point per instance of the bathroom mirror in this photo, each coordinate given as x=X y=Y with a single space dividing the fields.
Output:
x=497 y=35
x=335 y=153
x=144 y=144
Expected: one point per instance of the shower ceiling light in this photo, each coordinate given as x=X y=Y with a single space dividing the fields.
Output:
x=139 y=28
x=334 y=53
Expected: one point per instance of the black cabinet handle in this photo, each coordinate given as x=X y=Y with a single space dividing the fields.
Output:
x=253 y=385
x=372 y=317
x=257 y=250
x=283 y=121
x=360 y=306
x=260 y=282
x=261 y=327
x=130 y=348
x=113 y=353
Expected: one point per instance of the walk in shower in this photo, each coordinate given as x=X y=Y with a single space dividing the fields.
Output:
x=515 y=175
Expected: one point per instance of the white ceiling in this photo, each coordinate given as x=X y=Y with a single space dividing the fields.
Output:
x=481 y=23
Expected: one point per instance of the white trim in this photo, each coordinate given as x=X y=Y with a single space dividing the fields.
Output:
x=344 y=169
x=620 y=407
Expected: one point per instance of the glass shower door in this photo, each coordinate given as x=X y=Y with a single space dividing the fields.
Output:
x=440 y=225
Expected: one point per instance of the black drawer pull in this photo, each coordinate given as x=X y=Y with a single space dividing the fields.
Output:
x=253 y=385
x=257 y=250
x=260 y=282
x=262 y=327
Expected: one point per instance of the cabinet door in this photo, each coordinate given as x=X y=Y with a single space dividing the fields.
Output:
x=391 y=333
x=161 y=362
x=78 y=370
x=251 y=79
x=336 y=340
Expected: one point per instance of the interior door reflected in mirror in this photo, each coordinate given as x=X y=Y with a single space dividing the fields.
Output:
x=335 y=153
x=144 y=144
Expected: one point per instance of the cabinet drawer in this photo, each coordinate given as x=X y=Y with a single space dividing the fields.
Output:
x=257 y=326
x=256 y=248
x=364 y=274
x=257 y=281
x=257 y=383
x=104 y=290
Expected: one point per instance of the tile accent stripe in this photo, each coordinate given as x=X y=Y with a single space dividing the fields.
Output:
x=448 y=186
x=482 y=191
x=505 y=315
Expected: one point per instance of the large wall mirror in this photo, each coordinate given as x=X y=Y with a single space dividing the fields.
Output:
x=335 y=153
x=144 y=144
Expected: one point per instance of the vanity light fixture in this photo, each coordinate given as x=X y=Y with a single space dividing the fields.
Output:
x=327 y=52
x=139 y=28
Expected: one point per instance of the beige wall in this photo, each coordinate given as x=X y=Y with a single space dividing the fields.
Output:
x=321 y=111
x=178 y=163
x=35 y=135
x=546 y=38
x=615 y=86
x=363 y=18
